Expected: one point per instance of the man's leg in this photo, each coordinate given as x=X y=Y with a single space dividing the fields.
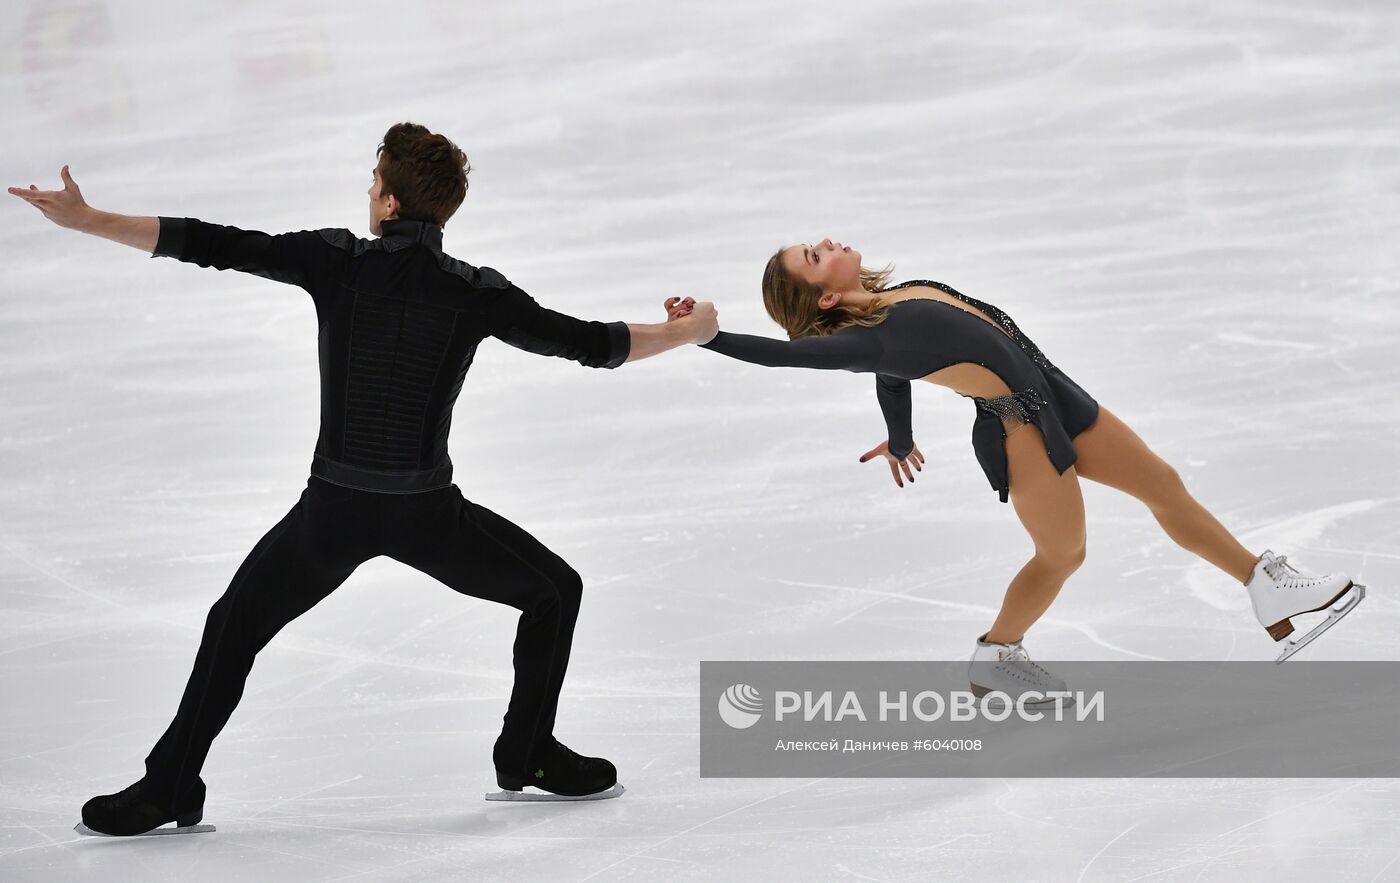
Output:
x=301 y=560
x=476 y=552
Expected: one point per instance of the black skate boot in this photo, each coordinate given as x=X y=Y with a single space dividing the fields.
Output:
x=137 y=810
x=562 y=774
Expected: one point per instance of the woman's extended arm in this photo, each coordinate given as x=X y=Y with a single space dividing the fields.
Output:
x=849 y=349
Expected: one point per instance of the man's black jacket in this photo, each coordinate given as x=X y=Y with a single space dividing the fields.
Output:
x=399 y=324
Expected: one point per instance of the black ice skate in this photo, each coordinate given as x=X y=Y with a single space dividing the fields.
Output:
x=133 y=811
x=560 y=774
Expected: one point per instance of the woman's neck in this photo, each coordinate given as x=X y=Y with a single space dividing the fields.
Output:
x=865 y=300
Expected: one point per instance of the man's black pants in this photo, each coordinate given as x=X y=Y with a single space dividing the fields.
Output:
x=314 y=548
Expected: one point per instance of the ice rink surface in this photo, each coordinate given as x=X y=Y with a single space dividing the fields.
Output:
x=1191 y=208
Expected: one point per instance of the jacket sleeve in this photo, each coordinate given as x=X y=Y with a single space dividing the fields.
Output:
x=894 y=396
x=521 y=322
x=850 y=349
x=293 y=258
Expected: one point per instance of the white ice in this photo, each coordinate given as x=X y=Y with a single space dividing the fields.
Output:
x=1191 y=207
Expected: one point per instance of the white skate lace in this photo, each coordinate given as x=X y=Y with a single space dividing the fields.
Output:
x=1018 y=654
x=1280 y=571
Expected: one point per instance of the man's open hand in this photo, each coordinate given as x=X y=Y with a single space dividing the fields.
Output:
x=65 y=207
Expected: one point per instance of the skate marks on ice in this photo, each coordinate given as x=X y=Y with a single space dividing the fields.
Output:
x=187 y=829
x=1297 y=531
x=524 y=796
x=972 y=609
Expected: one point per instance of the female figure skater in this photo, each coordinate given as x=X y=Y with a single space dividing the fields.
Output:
x=1036 y=432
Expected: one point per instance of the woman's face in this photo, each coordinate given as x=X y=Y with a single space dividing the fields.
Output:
x=827 y=265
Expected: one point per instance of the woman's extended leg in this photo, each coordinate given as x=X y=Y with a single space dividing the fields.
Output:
x=1051 y=508
x=1112 y=454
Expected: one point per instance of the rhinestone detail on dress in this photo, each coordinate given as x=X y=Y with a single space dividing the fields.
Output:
x=1015 y=410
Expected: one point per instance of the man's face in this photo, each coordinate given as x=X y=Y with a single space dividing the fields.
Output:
x=381 y=207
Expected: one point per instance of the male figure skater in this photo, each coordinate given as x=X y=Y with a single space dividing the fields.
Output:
x=399 y=324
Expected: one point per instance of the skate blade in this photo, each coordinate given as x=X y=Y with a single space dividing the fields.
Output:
x=1334 y=615
x=188 y=829
x=1284 y=627
x=547 y=797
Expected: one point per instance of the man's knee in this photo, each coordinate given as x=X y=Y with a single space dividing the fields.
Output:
x=560 y=593
x=570 y=587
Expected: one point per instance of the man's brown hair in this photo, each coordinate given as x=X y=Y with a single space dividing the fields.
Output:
x=426 y=172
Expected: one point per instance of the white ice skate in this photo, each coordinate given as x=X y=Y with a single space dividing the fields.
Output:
x=1278 y=591
x=1008 y=668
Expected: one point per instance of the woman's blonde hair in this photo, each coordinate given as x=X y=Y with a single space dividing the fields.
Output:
x=792 y=302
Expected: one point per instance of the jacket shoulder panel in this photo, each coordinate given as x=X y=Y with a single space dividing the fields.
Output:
x=476 y=277
x=348 y=242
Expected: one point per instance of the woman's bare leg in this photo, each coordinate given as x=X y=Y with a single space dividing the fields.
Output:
x=1051 y=508
x=1112 y=454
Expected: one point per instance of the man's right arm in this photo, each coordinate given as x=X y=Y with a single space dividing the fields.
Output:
x=523 y=323
x=649 y=340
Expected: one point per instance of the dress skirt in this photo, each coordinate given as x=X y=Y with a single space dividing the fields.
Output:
x=1060 y=409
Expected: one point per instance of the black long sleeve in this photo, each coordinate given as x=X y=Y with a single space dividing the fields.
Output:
x=521 y=322
x=301 y=257
x=856 y=348
x=398 y=325
x=895 y=403
x=848 y=349
x=293 y=258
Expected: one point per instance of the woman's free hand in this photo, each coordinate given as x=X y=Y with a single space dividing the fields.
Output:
x=701 y=318
x=677 y=307
x=65 y=207
x=915 y=457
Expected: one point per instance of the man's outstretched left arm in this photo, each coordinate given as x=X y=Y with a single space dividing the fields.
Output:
x=292 y=258
x=67 y=208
